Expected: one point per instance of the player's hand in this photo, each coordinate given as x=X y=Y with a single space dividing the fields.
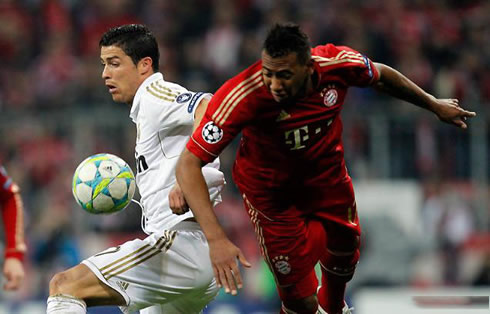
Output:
x=225 y=257
x=13 y=270
x=449 y=111
x=176 y=200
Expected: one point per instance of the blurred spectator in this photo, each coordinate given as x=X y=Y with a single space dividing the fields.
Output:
x=16 y=33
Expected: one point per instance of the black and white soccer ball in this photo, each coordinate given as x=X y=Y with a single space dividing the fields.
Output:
x=212 y=133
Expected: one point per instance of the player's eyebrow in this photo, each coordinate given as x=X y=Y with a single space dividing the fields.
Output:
x=109 y=59
x=281 y=71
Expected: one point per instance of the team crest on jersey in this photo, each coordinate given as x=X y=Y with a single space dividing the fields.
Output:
x=281 y=264
x=211 y=133
x=330 y=97
x=183 y=97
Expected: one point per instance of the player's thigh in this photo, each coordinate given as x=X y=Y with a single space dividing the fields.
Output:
x=159 y=269
x=192 y=304
x=80 y=282
x=291 y=244
x=342 y=236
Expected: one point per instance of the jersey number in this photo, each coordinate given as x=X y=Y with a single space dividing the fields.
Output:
x=141 y=164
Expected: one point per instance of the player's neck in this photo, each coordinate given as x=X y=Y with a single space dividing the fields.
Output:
x=307 y=88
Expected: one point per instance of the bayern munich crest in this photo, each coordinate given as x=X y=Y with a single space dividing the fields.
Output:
x=211 y=133
x=281 y=263
x=330 y=97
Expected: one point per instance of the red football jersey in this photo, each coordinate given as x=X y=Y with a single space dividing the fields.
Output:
x=296 y=144
x=12 y=214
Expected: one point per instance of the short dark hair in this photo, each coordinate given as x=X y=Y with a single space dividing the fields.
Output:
x=135 y=40
x=284 y=39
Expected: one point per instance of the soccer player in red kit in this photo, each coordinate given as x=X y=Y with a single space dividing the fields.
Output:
x=290 y=166
x=11 y=205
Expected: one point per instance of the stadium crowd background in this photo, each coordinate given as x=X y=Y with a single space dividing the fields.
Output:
x=55 y=111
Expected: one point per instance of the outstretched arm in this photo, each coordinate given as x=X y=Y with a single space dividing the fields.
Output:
x=396 y=84
x=224 y=254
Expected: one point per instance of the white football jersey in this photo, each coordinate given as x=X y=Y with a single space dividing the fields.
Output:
x=164 y=116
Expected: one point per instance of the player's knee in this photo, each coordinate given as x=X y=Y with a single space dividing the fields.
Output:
x=60 y=284
x=302 y=306
x=341 y=262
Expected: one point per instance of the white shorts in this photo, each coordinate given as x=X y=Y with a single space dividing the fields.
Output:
x=171 y=270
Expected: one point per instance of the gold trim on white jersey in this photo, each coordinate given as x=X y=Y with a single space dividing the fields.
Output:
x=139 y=256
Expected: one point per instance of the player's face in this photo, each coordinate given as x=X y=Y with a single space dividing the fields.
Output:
x=285 y=77
x=120 y=74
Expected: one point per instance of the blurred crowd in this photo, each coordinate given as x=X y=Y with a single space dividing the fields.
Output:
x=55 y=110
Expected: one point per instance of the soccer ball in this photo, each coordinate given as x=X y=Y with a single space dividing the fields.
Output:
x=103 y=184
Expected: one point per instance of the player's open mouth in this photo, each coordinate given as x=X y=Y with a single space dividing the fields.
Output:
x=279 y=95
x=112 y=88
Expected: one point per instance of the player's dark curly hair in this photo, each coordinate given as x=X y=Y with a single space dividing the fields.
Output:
x=283 y=39
x=135 y=40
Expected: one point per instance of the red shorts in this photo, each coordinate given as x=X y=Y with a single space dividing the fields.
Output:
x=294 y=230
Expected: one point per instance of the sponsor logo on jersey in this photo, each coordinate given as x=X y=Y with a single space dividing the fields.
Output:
x=183 y=97
x=330 y=97
x=193 y=101
x=281 y=264
x=211 y=133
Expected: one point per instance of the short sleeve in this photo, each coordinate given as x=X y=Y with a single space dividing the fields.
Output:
x=179 y=112
x=221 y=123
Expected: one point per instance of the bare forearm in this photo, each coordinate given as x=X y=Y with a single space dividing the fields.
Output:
x=398 y=85
x=193 y=185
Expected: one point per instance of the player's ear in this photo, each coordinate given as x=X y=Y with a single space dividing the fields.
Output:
x=145 y=65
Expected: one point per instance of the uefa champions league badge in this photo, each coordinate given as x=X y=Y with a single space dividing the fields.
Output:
x=212 y=133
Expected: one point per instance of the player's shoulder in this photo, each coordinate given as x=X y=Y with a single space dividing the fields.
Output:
x=330 y=56
x=161 y=91
x=333 y=52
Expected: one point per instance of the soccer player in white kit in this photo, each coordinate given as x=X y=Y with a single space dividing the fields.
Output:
x=169 y=271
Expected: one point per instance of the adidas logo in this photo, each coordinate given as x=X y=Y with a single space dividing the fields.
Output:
x=123 y=285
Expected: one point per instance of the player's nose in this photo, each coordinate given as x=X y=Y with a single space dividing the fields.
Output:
x=276 y=85
x=105 y=73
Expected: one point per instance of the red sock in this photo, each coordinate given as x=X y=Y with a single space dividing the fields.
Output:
x=332 y=292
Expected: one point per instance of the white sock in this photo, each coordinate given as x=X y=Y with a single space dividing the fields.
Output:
x=65 y=304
